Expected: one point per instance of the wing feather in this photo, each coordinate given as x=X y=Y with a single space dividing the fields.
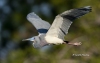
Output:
x=41 y=25
x=63 y=21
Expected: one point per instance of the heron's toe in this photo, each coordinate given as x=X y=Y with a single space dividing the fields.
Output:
x=80 y=43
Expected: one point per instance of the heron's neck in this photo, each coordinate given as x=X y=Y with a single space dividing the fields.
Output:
x=40 y=41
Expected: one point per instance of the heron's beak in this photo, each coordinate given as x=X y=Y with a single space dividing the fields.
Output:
x=26 y=40
x=31 y=41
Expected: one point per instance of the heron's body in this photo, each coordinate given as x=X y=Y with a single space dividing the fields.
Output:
x=53 y=40
x=54 y=34
x=42 y=40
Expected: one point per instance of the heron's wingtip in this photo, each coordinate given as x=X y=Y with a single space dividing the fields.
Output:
x=88 y=8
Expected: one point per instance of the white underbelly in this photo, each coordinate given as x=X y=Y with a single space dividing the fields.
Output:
x=53 y=40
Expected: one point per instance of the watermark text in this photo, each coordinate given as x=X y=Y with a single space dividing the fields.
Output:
x=80 y=54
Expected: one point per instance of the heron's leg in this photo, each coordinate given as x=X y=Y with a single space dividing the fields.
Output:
x=75 y=43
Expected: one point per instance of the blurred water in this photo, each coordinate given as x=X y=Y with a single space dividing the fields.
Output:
x=6 y=9
x=2 y=3
x=5 y=50
x=45 y=9
x=0 y=33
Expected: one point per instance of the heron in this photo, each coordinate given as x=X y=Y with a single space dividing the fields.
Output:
x=55 y=33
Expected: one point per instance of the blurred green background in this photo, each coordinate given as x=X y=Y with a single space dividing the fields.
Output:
x=14 y=27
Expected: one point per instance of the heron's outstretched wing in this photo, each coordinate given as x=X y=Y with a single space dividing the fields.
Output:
x=63 y=21
x=41 y=25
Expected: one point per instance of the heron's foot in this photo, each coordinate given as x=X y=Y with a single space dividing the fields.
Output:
x=75 y=44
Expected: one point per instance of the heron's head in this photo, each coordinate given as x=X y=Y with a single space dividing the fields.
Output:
x=29 y=39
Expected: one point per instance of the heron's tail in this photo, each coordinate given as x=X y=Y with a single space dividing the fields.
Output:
x=66 y=42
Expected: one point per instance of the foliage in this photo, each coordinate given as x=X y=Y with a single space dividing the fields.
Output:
x=15 y=27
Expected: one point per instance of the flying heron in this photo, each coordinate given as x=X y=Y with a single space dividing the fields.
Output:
x=54 y=34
